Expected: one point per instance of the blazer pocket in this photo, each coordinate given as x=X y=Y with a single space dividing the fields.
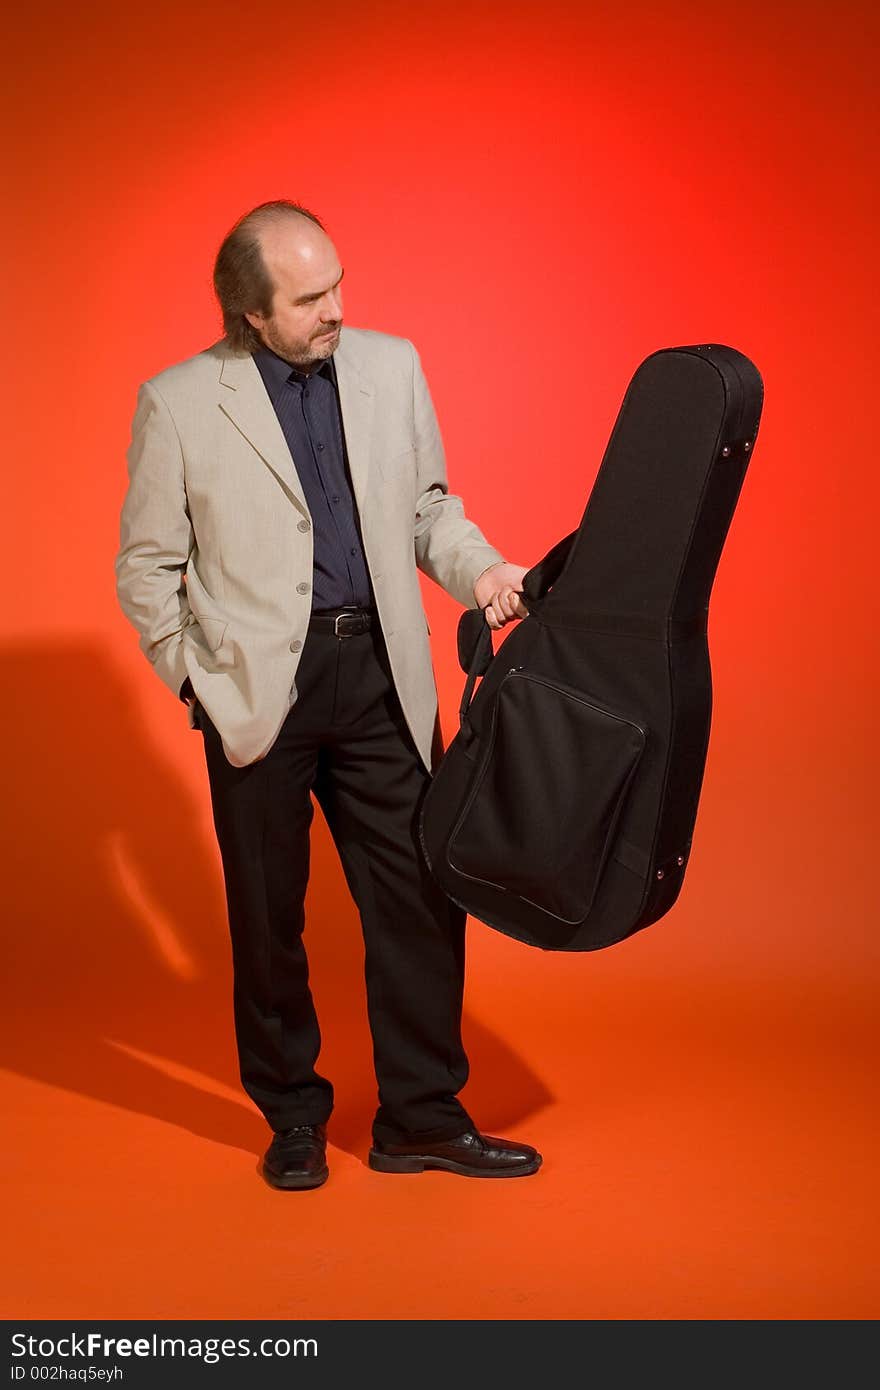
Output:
x=212 y=634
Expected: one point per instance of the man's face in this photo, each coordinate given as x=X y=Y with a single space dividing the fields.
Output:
x=306 y=316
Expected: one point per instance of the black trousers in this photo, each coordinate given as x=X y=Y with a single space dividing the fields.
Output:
x=345 y=740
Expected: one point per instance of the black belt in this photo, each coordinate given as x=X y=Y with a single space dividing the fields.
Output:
x=349 y=621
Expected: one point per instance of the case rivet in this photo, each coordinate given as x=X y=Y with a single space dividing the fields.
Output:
x=747 y=445
x=660 y=873
x=725 y=452
x=680 y=860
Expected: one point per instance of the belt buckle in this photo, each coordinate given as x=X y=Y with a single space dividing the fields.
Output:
x=353 y=631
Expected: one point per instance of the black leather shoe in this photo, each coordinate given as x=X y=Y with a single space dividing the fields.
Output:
x=473 y=1155
x=297 y=1157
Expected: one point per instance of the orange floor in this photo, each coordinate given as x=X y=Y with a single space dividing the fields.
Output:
x=705 y=1157
x=704 y=1095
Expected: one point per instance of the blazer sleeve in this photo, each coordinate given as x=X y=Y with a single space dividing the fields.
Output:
x=449 y=547
x=156 y=539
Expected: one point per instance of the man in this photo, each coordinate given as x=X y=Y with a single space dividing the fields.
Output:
x=284 y=485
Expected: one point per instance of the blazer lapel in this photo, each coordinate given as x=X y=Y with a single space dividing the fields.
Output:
x=356 y=399
x=244 y=399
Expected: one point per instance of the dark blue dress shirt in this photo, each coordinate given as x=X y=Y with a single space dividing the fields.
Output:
x=308 y=411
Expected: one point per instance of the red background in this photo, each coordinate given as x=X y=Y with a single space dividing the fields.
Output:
x=537 y=196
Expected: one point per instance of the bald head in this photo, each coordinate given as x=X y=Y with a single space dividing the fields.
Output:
x=290 y=242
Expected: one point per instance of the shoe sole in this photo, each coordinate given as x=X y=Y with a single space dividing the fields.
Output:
x=296 y=1184
x=415 y=1163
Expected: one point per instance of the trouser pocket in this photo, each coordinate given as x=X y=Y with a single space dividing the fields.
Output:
x=201 y=720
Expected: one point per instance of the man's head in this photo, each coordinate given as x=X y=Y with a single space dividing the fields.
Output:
x=277 y=277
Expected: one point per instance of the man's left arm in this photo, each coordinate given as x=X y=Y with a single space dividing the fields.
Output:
x=450 y=548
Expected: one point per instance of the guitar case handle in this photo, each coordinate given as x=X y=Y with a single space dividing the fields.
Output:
x=475 y=648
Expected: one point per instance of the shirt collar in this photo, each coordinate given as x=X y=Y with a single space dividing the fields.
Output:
x=276 y=373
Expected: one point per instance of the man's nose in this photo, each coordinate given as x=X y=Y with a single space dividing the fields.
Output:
x=331 y=309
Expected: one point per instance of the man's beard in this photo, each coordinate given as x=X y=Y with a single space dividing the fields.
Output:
x=298 y=353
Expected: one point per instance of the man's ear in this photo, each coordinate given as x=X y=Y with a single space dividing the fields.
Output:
x=255 y=320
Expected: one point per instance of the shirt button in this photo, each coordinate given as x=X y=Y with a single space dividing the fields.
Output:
x=302 y=587
x=334 y=498
x=295 y=645
x=353 y=550
x=303 y=525
x=320 y=447
x=306 y=392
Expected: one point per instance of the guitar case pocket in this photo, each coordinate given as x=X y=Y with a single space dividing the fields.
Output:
x=540 y=815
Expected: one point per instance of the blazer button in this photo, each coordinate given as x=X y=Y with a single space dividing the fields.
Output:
x=302 y=587
x=295 y=645
x=303 y=525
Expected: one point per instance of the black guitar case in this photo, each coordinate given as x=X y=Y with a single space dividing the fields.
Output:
x=562 y=811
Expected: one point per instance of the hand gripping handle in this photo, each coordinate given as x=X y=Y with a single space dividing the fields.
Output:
x=475 y=648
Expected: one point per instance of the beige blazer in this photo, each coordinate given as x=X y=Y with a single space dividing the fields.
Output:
x=214 y=567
